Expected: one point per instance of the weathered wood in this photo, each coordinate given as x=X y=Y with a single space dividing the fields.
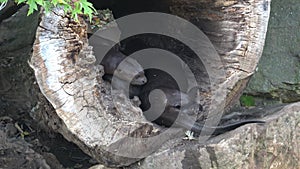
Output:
x=236 y=28
x=104 y=123
x=98 y=120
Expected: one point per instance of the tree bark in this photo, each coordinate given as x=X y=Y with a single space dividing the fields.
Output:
x=105 y=124
x=237 y=31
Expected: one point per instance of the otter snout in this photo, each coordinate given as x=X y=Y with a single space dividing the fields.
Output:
x=139 y=79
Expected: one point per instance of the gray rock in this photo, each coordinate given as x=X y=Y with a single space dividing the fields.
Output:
x=278 y=73
x=18 y=31
x=16 y=152
x=16 y=38
x=273 y=145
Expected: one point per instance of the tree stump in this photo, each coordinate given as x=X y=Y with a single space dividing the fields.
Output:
x=104 y=122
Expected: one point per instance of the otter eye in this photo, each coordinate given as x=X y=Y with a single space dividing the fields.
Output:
x=177 y=106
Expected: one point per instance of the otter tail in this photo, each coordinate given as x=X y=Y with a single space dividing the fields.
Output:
x=216 y=130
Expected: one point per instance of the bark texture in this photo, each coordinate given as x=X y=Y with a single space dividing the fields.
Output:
x=236 y=28
x=107 y=125
x=65 y=71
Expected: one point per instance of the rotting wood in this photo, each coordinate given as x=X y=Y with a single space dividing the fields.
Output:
x=236 y=28
x=65 y=71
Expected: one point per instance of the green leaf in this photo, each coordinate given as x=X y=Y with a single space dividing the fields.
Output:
x=54 y=2
x=25 y=133
x=247 y=101
x=20 y=1
x=32 y=6
x=76 y=8
x=40 y=2
x=67 y=7
x=47 y=6
x=88 y=8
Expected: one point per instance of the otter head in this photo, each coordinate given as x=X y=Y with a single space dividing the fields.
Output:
x=168 y=107
x=130 y=70
x=126 y=68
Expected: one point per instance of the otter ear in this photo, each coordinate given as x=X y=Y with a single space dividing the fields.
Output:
x=194 y=94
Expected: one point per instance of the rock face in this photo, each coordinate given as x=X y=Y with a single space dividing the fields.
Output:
x=15 y=74
x=272 y=145
x=279 y=68
x=16 y=152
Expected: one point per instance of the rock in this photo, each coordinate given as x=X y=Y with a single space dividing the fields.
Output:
x=273 y=145
x=20 y=36
x=278 y=70
x=16 y=84
x=15 y=152
x=99 y=166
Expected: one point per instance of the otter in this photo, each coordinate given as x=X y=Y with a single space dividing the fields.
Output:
x=130 y=77
x=163 y=106
x=198 y=127
x=173 y=107
x=176 y=106
x=115 y=62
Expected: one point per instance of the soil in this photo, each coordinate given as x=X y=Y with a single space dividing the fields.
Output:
x=31 y=146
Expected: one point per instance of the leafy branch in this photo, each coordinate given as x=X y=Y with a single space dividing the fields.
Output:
x=74 y=7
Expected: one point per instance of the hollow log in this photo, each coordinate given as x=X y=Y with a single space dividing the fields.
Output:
x=104 y=122
x=237 y=31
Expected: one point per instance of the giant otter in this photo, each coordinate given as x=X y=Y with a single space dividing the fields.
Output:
x=178 y=105
x=115 y=62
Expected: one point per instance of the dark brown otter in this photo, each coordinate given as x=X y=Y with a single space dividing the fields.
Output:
x=115 y=62
x=178 y=106
x=168 y=106
x=216 y=130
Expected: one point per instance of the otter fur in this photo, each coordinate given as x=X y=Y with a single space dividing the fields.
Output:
x=169 y=106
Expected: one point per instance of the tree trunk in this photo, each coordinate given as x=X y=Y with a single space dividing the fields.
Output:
x=105 y=123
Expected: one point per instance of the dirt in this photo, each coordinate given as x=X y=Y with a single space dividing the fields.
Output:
x=24 y=144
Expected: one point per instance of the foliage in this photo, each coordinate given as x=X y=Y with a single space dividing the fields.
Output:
x=74 y=7
x=247 y=101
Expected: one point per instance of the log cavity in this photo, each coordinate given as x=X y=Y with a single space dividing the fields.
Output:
x=126 y=7
x=148 y=41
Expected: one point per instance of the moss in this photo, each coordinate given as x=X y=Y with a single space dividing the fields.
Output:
x=247 y=101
